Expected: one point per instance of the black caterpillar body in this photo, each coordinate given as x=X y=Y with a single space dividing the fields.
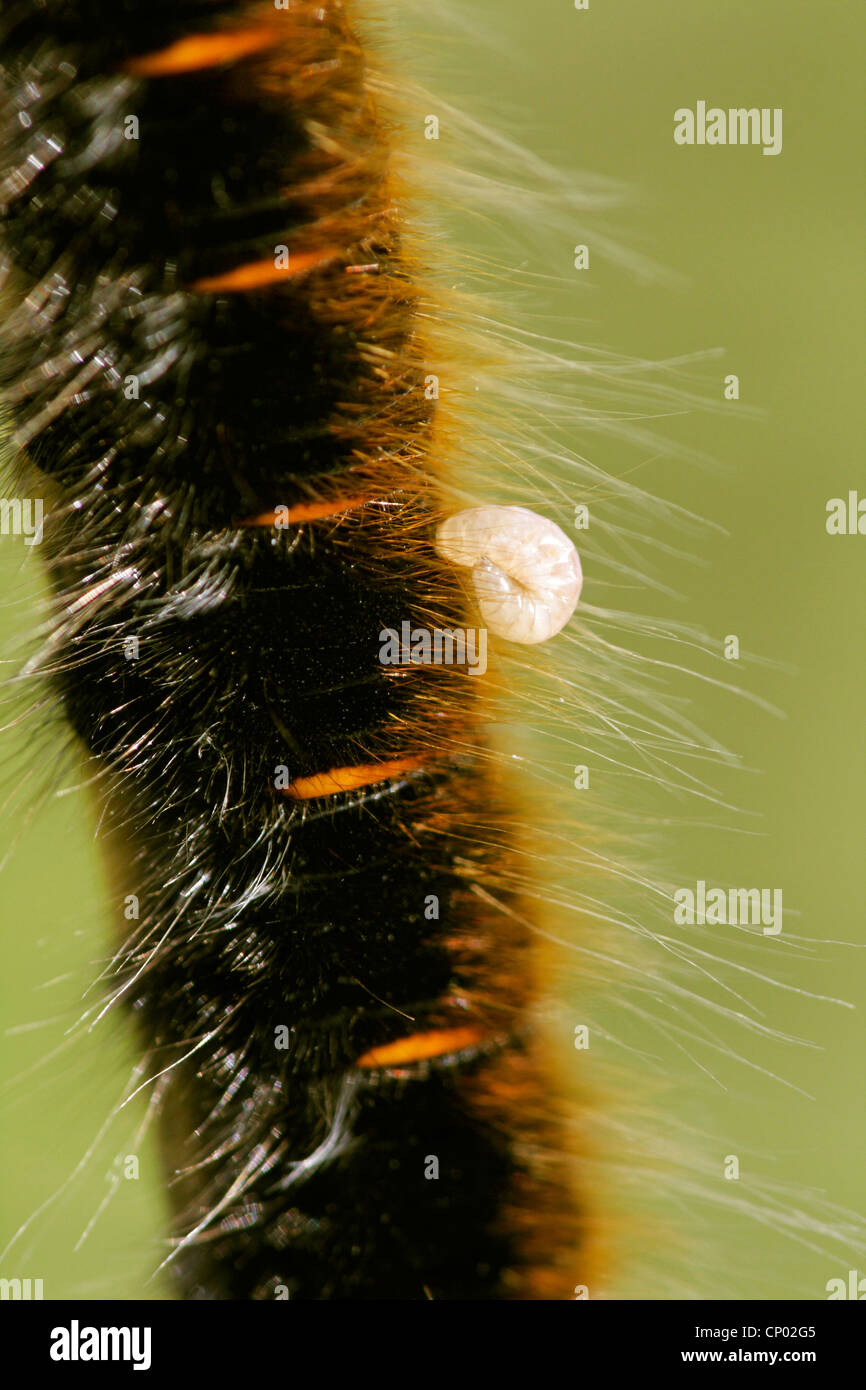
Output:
x=213 y=663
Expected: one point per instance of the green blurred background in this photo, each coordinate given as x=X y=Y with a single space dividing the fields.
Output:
x=769 y=251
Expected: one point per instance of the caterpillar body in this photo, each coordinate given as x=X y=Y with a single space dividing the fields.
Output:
x=258 y=419
x=216 y=365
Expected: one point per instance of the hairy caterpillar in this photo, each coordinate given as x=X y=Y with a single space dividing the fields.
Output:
x=310 y=1041
x=368 y=529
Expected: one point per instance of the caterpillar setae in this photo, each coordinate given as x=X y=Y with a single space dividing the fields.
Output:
x=232 y=370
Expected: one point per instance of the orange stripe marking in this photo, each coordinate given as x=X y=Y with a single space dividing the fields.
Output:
x=256 y=274
x=421 y=1046
x=202 y=51
x=309 y=511
x=347 y=779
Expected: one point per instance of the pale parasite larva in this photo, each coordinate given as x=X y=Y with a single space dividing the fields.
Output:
x=525 y=570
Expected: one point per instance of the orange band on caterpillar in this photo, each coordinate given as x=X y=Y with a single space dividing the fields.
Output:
x=201 y=51
x=347 y=779
x=421 y=1047
x=309 y=511
x=256 y=275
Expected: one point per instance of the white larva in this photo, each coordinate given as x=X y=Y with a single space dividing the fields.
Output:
x=525 y=570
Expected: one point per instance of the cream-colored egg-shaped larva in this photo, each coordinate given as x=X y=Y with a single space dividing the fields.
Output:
x=525 y=570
